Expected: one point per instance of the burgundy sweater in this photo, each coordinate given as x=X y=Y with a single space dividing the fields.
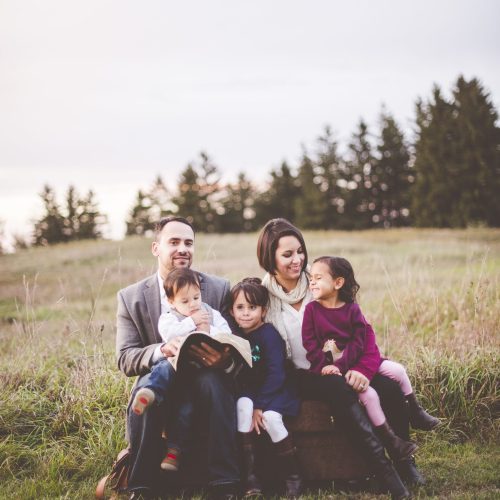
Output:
x=352 y=334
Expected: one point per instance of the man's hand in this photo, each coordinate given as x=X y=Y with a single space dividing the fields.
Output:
x=357 y=380
x=201 y=318
x=210 y=357
x=258 y=421
x=330 y=370
x=171 y=347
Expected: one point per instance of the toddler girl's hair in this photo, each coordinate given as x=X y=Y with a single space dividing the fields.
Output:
x=255 y=293
x=179 y=278
x=341 y=268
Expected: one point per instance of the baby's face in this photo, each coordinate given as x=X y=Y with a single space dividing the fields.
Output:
x=187 y=300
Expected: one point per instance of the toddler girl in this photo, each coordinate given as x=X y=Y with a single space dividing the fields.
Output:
x=266 y=396
x=339 y=341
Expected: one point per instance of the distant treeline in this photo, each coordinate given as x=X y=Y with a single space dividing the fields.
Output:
x=448 y=177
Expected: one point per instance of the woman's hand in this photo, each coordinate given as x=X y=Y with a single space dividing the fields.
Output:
x=357 y=380
x=330 y=370
x=210 y=357
x=258 y=421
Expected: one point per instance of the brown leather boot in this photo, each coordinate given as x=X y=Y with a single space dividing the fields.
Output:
x=251 y=482
x=287 y=454
x=419 y=418
x=398 y=448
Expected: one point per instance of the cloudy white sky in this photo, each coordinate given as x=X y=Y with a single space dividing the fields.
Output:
x=106 y=94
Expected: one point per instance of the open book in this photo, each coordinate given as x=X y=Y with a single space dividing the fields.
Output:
x=240 y=348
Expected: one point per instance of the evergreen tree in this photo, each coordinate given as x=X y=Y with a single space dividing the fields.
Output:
x=90 y=220
x=392 y=176
x=236 y=209
x=359 y=204
x=277 y=200
x=149 y=208
x=199 y=194
x=50 y=228
x=80 y=220
x=139 y=220
x=329 y=165
x=457 y=159
x=311 y=204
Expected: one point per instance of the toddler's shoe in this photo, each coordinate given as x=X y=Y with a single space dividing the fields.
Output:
x=144 y=397
x=171 y=460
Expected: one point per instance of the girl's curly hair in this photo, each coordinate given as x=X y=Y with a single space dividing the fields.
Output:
x=341 y=268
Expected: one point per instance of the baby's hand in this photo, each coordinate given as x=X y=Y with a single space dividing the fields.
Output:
x=200 y=317
x=330 y=370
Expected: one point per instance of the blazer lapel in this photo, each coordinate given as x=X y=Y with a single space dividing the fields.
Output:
x=153 y=305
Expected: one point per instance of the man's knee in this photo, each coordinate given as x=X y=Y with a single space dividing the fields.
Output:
x=209 y=383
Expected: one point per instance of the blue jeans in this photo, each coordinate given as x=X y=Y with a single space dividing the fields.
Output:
x=215 y=408
x=160 y=380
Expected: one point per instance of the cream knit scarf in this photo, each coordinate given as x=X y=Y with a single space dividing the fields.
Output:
x=277 y=297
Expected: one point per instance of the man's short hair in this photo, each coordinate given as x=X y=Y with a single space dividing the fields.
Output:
x=171 y=218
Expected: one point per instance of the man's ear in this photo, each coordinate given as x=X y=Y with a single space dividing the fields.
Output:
x=154 y=248
x=339 y=283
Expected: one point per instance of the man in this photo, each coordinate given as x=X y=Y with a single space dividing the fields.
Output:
x=139 y=345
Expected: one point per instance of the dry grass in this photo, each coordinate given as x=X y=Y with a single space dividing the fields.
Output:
x=432 y=296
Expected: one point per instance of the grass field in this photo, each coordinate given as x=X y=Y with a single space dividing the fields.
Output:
x=432 y=296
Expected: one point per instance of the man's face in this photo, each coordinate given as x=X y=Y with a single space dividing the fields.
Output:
x=174 y=247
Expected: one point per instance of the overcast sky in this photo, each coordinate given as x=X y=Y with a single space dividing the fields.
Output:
x=106 y=94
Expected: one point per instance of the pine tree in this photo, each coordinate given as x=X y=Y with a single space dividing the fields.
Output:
x=359 y=201
x=199 y=194
x=311 y=204
x=392 y=176
x=80 y=220
x=236 y=208
x=149 y=207
x=90 y=220
x=50 y=228
x=328 y=167
x=457 y=161
x=277 y=199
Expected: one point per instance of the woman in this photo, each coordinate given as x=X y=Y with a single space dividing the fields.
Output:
x=282 y=253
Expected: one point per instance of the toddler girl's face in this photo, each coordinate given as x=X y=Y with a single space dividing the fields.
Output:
x=187 y=300
x=248 y=316
x=321 y=283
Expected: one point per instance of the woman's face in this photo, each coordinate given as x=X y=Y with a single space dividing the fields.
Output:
x=289 y=258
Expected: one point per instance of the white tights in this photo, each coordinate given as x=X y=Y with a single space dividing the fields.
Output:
x=273 y=420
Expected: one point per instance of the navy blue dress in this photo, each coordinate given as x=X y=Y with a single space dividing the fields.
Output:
x=266 y=383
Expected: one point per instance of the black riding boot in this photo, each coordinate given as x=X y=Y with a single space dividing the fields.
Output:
x=362 y=431
x=287 y=454
x=419 y=418
x=409 y=473
x=252 y=485
x=398 y=448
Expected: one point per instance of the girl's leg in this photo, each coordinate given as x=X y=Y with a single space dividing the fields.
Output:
x=274 y=425
x=244 y=408
x=395 y=446
x=345 y=407
x=285 y=452
x=371 y=402
x=419 y=418
x=397 y=372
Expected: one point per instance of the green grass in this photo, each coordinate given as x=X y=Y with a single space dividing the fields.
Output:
x=432 y=296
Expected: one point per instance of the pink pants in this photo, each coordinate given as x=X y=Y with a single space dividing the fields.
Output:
x=370 y=398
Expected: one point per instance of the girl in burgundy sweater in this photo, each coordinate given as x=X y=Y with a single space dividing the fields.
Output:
x=339 y=341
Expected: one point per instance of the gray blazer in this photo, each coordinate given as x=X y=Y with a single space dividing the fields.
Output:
x=139 y=309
